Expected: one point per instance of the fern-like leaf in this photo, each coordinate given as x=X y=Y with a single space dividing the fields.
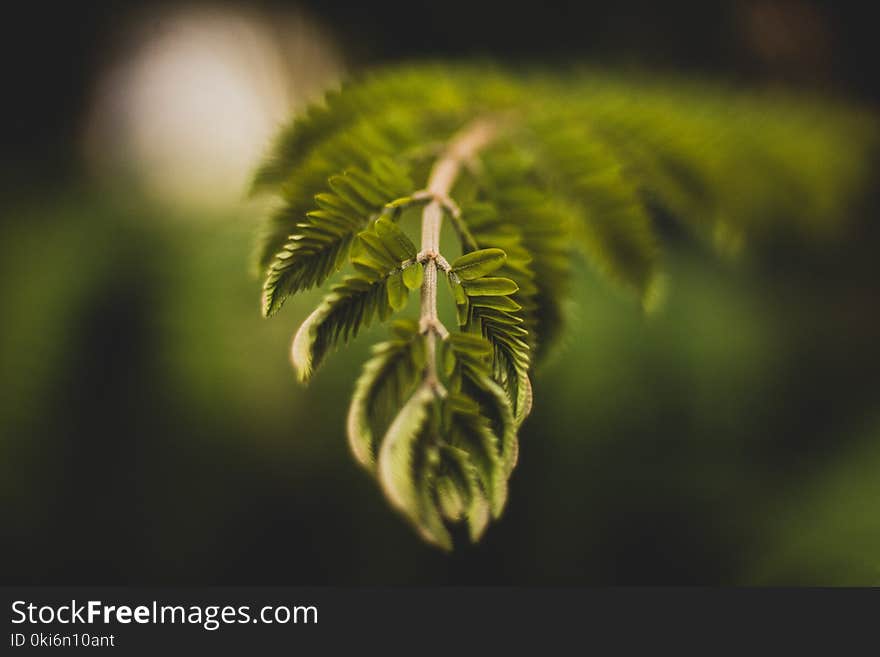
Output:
x=527 y=171
x=381 y=256
x=485 y=305
x=468 y=430
x=388 y=380
x=407 y=467
x=469 y=367
x=460 y=493
x=320 y=245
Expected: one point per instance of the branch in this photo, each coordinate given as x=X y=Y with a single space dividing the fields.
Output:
x=462 y=151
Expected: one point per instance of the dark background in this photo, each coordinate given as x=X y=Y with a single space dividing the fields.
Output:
x=153 y=434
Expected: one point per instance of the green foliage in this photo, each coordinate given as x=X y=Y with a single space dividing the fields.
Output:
x=381 y=254
x=388 y=380
x=408 y=465
x=468 y=365
x=478 y=263
x=442 y=456
x=580 y=163
x=320 y=244
x=485 y=306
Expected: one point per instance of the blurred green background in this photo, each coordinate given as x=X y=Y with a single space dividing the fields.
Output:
x=151 y=429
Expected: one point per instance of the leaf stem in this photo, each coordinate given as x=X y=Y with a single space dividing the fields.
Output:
x=462 y=149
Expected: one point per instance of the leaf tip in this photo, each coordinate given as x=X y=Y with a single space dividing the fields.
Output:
x=359 y=435
x=266 y=309
x=301 y=349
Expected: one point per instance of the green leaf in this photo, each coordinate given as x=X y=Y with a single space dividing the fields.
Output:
x=387 y=381
x=478 y=263
x=587 y=162
x=459 y=491
x=469 y=345
x=452 y=498
x=510 y=351
x=490 y=286
x=470 y=432
x=398 y=243
x=496 y=407
x=308 y=258
x=447 y=358
x=462 y=313
x=375 y=251
x=317 y=245
x=406 y=467
x=505 y=304
x=478 y=515
x=377 y=290
x=413 y=276
x=397 y=291
x=534 y=228
x=350 y=306
x=471 y=375
x=457 y=290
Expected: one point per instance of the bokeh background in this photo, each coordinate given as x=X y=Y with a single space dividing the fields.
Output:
x=151 y=429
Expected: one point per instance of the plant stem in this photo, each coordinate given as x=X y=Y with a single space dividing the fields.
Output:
x=462 y=149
